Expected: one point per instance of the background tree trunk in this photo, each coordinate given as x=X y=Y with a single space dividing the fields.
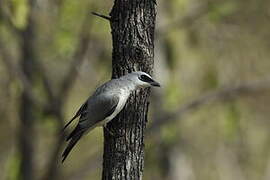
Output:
x=27 y=106
x=133 y=24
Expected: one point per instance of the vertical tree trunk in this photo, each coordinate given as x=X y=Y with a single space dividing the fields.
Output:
x=132 y=23
x=27 y=107
x=26 y=134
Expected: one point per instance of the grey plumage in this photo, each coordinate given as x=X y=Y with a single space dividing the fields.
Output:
x=106 y=102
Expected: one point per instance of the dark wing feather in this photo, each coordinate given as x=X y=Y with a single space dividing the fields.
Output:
x=80 y=128
x=97 y=109
x=79 y=112
x=111 y=111
x=71 y=144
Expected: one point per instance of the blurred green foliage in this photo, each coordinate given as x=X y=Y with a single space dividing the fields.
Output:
x=221 y=10
x=202 y=46
x=19 y=9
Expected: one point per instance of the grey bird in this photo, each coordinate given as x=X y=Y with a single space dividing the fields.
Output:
x=106 y=102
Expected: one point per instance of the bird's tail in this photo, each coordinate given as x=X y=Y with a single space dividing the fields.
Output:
x=74 y=139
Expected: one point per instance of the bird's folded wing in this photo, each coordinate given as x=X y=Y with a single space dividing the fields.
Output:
x=79 y=112
x=98 y=108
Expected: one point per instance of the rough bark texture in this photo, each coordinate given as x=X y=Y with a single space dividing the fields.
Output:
x=132 y=23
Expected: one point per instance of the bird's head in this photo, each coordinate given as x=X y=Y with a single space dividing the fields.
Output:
x=141 y=79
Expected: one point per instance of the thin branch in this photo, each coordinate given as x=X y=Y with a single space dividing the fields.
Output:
x=77 y=60
x=225 y=94
x=72 y=73
x=101 y=16
x=184 y=21
x=46 y=81
x=16 y=73
x=7 y=20
x=66 y=85
x=52 y=171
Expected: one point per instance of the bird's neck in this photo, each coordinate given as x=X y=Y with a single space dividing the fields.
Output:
x=131 y=87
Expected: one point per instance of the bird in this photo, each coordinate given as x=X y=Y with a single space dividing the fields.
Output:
x=105 y=103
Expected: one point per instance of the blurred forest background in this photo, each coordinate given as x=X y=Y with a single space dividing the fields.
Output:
x=209 y=121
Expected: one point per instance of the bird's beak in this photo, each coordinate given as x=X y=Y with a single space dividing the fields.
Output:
x=154 y=83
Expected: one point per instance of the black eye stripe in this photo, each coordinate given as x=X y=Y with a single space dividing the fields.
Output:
x=145 y=78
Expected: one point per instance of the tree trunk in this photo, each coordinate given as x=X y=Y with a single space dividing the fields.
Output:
x=133 y=24
x=27 y=107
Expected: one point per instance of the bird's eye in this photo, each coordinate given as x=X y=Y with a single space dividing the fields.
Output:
x=145 y=78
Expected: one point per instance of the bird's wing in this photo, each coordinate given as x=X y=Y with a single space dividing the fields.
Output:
x=105 y=87
x=97 y=109
x=78 y=113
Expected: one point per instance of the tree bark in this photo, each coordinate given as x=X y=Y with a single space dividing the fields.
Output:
x=133 y=24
